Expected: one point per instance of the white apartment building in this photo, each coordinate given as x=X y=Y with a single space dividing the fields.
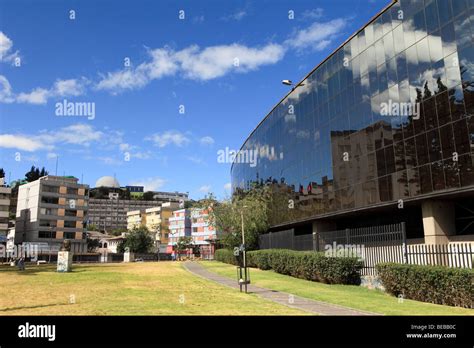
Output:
x=51 y=209
x=5 y=193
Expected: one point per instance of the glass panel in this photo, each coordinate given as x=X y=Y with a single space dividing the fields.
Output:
x=419 y=25
x=444 y=11
x=466 y=170
x=462 y=31
x=437 y=175
x=461 y=137
x=425 y=181
x=449 y=39
x=388 y=46
x=431 y=15
x=398 y=41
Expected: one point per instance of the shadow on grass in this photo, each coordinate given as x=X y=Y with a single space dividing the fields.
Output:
x=32 y=269
x=32 y=307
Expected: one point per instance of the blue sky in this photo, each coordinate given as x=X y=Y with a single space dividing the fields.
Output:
x=138 y=133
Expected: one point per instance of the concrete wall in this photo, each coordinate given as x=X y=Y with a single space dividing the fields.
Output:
x=438 y=221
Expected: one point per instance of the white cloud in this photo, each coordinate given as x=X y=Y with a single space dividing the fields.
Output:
x=216 y=61
x=107 y=160
x=125 y=147
x=161 y=64
x=193 y=63
x=318 y=36
x=51 y=155
x=196 y=160
x=236 y=16
x=76 y=134
x=37 y=96
x=150 y=184
x=315 y=13
x=71 y=87
x=205 y=188
x=228 y=186
x=141 y=155
x=207 y=140
x=6 y=45
x=6 y=94
x=199 y=19
x=22 y=142
x=169 y=137
x=40 y=96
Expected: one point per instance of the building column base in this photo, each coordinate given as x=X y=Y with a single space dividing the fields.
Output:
x=438 y=221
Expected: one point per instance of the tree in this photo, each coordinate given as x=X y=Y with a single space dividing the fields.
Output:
x=183 y=244
x=137 y=240
x=92 y=227
x=2 y=173
x=35 y=173
x=226 y=216
x=92 y=244
x=189 y=204
x=124 y=194
x=118 y=231
x=148 y=196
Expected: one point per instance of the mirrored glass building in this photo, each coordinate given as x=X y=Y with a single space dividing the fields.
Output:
x=381 y=131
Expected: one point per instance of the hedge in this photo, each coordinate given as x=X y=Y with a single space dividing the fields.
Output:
x=435 y=284
x=301 y=264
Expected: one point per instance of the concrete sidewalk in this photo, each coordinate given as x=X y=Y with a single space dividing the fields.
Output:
x=312 y=306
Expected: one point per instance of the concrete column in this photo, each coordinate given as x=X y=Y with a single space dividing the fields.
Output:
x=438 y=221
x=321 y=226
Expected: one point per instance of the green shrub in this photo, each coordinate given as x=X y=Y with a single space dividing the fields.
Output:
x=435 y=284
x=301 y=264
x=259 y=260
x=226 y=256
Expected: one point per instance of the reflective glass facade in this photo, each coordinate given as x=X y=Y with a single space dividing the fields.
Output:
x=329 y=147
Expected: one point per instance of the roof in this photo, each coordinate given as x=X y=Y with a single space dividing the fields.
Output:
x=114 y=238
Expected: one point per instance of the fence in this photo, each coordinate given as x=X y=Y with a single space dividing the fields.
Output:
x=374 y=245
x=452 y=255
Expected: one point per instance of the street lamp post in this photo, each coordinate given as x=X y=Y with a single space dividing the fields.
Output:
x=290 y=83
x=244 y=249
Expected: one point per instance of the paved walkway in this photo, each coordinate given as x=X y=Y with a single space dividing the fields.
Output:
x=312 y=306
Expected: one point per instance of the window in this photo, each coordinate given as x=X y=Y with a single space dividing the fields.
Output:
x=47 y=234
x=50 y=200
x=72 y=191
x=69 y=212
x=52 y=189
x=69 y=235
x=70 y=224
x=47 y=223
x=48 y=211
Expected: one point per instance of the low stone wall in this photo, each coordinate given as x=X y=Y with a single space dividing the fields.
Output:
x=371 y=282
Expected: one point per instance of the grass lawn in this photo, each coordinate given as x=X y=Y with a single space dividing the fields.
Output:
x=356 y=297
x=154 y=288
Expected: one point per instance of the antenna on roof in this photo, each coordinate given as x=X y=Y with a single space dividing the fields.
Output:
x=57 y=157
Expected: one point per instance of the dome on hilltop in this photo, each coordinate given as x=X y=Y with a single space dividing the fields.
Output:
x=107 y=181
